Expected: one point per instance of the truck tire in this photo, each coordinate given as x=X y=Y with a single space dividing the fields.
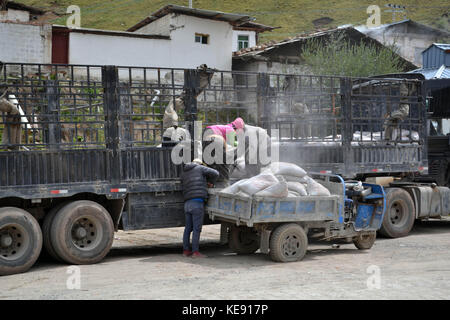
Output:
x=82 y=232
x=400 y=214
x=46 y=227
x=288 y=243
x=365 y=241
x=243 y=240
x=20 y=240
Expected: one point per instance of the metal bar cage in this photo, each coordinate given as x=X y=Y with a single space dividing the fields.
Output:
x=62 y=106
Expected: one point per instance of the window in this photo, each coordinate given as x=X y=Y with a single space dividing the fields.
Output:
x=242 y=42
x=440 y=127
x=202 y=38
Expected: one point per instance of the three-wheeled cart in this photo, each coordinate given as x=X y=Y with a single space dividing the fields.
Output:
x=281 y=226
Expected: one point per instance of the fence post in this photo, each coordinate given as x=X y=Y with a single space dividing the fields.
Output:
x=422 y=94
x=191 y=85
x=53 y=132
x=262 y=96
x=347 y=127
x=126 y=110
x=111 y=103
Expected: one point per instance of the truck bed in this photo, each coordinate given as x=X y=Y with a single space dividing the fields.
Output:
x=253 y=210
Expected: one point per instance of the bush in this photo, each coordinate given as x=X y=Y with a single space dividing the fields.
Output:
x=336 y=56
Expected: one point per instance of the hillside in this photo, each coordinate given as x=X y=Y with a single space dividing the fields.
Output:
x=293 y=16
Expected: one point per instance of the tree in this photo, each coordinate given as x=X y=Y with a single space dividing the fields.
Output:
x=336 y=56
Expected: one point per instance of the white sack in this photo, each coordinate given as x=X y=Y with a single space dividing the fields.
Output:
x=297 y=187
x=295 y=179
x=234 y=188
x=316 y=189
x=258 y=183
x=278 y=190
x=293 y=194
x=242 y=194
x=285 y=168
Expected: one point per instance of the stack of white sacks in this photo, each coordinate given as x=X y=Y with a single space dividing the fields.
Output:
x=278 y=180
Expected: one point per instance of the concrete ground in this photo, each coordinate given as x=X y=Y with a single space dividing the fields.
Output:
x=149 y=265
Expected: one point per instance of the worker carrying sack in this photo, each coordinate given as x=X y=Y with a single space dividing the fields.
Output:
x=316 y=189
x=170 y=117
x=12 y=132
x=278 y=190
x=258 y=183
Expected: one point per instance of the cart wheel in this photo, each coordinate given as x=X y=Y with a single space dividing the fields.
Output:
x=243 y=240
x=20 y=240
x=288 y=243
x=82 y=232
x=365 y=241
x=399 y=217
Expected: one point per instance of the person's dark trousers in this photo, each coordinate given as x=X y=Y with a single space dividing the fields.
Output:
x=193 y=212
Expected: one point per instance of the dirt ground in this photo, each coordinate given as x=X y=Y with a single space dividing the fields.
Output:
x=149 y=265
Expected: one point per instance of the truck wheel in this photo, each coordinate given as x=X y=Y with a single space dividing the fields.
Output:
x=82 y=232
x=365 y=241
x=399 y=217
x=243 y=240
x=288 y=243
x=46 y=227
x=20 y=240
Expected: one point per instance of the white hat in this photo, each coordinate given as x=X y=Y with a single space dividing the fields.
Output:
x=197 y=161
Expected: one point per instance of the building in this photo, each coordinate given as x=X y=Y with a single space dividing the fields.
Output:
x=200 y=36
x=284 y=56
x=24 y=35
x=18 y=12
x=411 y=38
x=436 y=62
x=172 y=37
x=436 y=71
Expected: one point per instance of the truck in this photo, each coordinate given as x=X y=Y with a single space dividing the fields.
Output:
x=82 y=156
x=371 y=129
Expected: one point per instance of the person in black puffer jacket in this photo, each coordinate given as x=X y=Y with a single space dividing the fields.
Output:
x=195 y=177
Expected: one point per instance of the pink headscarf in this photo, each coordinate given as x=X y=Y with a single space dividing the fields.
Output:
x=238 y=123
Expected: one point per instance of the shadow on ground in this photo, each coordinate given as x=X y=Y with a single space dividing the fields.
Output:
x=220 y=256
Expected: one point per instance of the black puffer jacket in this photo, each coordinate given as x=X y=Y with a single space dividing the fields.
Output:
x=194 y=178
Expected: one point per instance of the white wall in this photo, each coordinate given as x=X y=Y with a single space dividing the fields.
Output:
x=25 y=43
x=189 y=54
x=251 y=37
x=181 y=51
x=85 y=48
x=160 y=27
x=15 y=15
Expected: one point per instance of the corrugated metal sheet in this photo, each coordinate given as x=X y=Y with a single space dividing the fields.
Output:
x=443 y=46
x=436 y=55
x=442 y=72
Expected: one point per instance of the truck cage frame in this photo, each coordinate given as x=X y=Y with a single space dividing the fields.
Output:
x=98 y=129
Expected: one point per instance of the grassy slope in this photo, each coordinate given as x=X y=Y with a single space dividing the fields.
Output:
x=294 y=16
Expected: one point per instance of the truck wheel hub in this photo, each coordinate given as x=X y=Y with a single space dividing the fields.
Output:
x=6 y=240
x=80 y=233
